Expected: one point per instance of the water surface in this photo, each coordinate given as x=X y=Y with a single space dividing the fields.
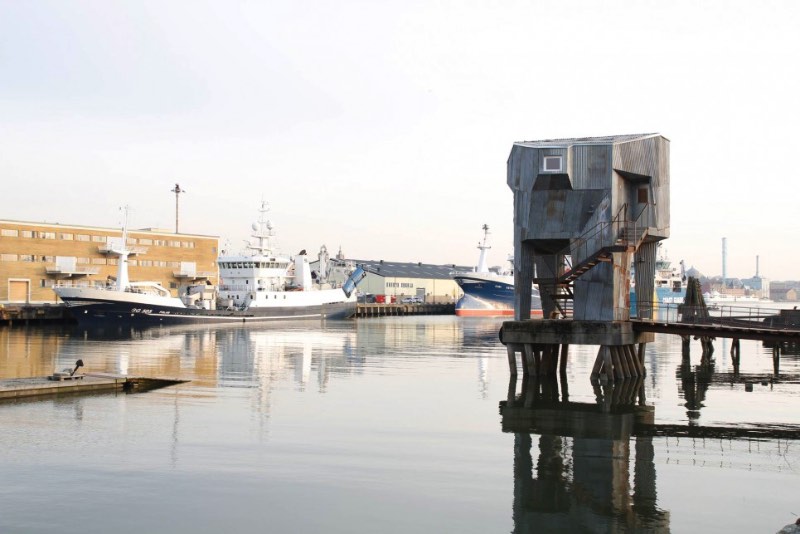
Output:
x=377 y=425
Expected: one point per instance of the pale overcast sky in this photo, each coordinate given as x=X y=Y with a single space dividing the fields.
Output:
x=384 y=127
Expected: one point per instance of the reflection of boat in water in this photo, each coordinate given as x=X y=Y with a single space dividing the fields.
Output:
x=260 y=286
x=489 y=291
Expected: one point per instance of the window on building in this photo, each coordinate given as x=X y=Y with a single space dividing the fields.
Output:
x=99 y=238
x=99 y=261
x=27 y=233
x=552 y=164
x=66 y=237
x=47 y=235
x=642 y=195
x=82 y=237
x=145 y=241
x=9 y=257
x=8 y=232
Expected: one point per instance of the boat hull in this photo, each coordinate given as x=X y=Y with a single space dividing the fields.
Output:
x=92 y=308
x=490 y=296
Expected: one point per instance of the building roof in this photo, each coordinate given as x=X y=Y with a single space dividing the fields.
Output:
x=154 y=231
x=394 y=269
x=604 y=140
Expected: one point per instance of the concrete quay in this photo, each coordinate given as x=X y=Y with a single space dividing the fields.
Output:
x=23 y=314
x=382 y=310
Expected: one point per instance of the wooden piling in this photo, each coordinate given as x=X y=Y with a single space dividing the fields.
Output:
x=512 y=359
x=562 y=369
x=531 y=360
x=776 y=358
x=598 y=364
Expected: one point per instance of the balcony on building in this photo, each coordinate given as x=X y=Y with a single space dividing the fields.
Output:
x=67 y=267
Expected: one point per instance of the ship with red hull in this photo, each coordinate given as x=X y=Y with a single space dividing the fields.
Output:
x=489 y=292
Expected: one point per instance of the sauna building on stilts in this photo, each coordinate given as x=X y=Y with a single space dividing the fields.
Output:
x=588 y=212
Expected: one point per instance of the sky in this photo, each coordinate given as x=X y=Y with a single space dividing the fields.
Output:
x=384 y=127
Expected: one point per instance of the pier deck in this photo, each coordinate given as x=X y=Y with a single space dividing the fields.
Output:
x=23 y=388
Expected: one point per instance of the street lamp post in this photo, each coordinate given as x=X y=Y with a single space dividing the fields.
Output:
x=177 y=192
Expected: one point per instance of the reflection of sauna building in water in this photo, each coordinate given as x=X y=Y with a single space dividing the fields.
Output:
x=580 y=480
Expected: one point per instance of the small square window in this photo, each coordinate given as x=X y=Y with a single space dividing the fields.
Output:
x=552 y=164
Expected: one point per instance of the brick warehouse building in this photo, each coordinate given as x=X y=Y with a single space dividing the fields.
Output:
x=34 y=257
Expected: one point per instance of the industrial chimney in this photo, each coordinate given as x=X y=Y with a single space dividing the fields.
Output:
x=725 y=262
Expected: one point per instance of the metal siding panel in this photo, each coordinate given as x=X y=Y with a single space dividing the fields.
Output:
x=591 y=166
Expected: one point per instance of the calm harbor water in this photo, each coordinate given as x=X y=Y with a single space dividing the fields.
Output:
x=378 y=425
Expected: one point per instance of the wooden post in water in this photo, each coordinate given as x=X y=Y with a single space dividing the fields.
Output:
x=512 y=389
x=511 y=348
x=563 y=364
x=642 y=350
x=531 y=367
x=776 y=358
x=686 y=344
x=598 y=365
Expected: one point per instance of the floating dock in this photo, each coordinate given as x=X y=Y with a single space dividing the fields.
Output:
x=25 y=388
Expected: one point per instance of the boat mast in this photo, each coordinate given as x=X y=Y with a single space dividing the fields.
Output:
x=123 y=252
x=483 y=247
x=262 y=233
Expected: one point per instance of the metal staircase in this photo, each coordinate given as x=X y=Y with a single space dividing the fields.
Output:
x=595 y=246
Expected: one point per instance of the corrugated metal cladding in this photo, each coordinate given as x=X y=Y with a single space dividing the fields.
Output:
x=644 y=276
x=514 y=176
x=642 y=157
x=529 y=165
x=591 y=166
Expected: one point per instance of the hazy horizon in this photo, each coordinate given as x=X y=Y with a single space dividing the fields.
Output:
x=384 y=128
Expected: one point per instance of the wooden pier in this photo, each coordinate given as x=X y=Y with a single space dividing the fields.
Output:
x=381 y=310
x=27 y=388
x=24 y=314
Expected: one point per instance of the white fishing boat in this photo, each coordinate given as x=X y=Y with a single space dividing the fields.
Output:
x=258 y=285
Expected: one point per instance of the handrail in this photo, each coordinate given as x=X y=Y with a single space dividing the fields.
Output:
x=670 y=313
x=601 y=229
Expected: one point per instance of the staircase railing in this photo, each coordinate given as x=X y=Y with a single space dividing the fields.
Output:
x=596 y=245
